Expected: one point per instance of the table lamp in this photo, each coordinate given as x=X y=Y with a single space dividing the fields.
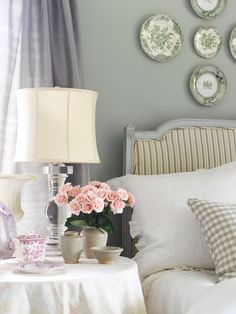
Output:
x=56 y=126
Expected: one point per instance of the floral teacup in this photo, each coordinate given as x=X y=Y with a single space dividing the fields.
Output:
x=30 y=247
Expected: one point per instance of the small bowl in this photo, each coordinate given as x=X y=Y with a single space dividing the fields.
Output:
x=106 y=254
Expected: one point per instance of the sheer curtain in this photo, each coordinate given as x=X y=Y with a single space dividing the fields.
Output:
x=10 y=21
x=39 y=46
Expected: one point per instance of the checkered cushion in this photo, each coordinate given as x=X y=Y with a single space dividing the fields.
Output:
x=218 y=223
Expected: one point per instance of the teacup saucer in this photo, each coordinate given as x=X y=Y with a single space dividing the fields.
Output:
x=39 y=267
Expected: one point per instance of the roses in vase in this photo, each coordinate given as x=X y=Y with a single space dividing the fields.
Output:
x=92 y=204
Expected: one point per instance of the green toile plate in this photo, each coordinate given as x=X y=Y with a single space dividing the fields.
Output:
x=207 y=41
x=232 y=42
x=161 y=37
x=208 y=85
x=208 y=9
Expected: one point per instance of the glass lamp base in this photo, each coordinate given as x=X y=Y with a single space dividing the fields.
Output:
x=53 y=250
x=56 y=215
x=53 y=247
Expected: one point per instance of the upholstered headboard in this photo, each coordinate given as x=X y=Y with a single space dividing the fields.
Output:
x=176 y=146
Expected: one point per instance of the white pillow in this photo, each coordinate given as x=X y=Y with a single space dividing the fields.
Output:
x=168 y=231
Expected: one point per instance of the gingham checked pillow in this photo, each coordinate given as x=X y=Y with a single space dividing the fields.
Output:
x=218 y=223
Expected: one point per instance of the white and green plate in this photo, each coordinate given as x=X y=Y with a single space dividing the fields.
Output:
x=207 y=41
x=232 y=42
x=208 y=85
x=161 y=37
x=208 y=9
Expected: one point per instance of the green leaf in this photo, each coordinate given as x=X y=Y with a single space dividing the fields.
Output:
x=106 y=224
x=78 y=223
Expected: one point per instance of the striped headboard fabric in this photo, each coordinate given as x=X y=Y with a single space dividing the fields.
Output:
x=184 y=149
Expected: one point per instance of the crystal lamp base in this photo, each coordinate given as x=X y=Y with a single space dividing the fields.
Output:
x=56 y=215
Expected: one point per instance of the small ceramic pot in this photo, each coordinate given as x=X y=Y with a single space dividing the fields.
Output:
x=93 y=236
x=30 y=248
x=71 y=247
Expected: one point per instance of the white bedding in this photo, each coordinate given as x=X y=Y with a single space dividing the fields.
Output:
x=168 y=232
x=189 y=292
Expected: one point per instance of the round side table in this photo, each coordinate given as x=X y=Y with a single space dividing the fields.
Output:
x=86 y=288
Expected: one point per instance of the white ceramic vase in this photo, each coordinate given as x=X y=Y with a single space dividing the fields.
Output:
x=10 y=192
x=93 y=236
x=10 y=211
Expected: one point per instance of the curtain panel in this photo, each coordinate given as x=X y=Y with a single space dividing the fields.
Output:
x=39 y=47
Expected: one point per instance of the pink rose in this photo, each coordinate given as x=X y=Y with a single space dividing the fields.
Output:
x=61 y=198
x=88 y=187
x=98 y=205
x=75 y=190
x=95 y=183
x=74 y=207
x=80 y=198
x=131 y=200
x=101 y=193
x=87 y=208
x=117 y=206
x=123 y=194
x=112 y=196
x=65 y=187
x=105 y=186
x=91 y=195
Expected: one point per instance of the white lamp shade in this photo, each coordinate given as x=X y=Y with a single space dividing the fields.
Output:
x=56 y=125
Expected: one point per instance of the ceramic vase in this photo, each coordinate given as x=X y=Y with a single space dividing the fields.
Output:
x=10 y=211
x=93 y=236
x=71 y=247
x=10 y=192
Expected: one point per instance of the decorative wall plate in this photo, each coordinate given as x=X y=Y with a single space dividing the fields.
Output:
x=232 y=42
x=161 y=37
x=208 y=85
x=207 y=41
x=208 y=9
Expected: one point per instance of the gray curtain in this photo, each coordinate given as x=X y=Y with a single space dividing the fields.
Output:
x=39 y=46
x=50 y=54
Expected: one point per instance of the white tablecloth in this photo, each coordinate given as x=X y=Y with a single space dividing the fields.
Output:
x=85 y=288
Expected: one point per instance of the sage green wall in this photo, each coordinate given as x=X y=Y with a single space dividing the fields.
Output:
x=132 y=87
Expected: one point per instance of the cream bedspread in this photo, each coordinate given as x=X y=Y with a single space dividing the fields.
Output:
x=189 y=292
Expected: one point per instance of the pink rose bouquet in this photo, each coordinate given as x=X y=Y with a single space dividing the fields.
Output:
x=91 y=204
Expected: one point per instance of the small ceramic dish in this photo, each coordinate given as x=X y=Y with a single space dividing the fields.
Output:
x=106 y=254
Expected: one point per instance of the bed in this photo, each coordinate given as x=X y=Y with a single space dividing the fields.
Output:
x=181 y=174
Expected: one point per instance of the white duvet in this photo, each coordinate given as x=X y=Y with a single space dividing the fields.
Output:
x=189 y=292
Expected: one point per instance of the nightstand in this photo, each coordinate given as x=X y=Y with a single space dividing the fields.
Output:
x=85 y=288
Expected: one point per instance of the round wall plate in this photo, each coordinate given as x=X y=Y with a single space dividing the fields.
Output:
x=209 y=9
x=207 y=41
x=161 y=37
x=208 y=85
x=232 y=42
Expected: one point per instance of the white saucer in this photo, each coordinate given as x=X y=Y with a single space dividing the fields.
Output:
x=39 y=267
